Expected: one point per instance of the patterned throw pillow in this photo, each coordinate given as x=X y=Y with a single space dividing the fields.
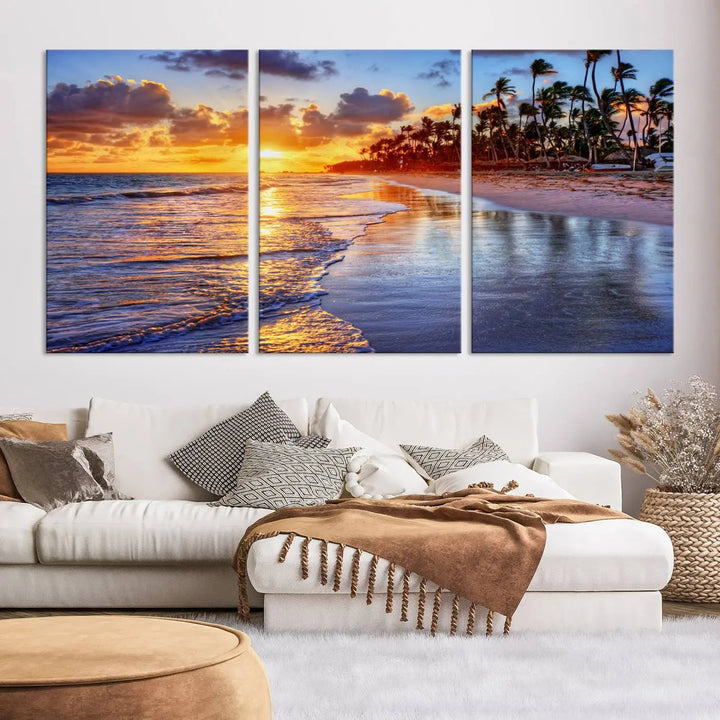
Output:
x=276 y=476
x=213 y=460
x=435 y=462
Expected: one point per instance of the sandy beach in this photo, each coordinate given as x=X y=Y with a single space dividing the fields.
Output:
x=641 y=196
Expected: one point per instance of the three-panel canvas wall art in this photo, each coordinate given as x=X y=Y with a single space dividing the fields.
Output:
x=360 y=226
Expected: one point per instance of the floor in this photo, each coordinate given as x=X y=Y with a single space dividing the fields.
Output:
x=670 y=609
x=682 y=609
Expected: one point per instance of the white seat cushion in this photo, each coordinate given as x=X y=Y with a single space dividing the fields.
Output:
x=606 y=555
x=17 y=532
x=142 y=531
x=144 y=435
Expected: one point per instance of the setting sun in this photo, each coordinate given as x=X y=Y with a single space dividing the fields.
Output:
x=270 y=154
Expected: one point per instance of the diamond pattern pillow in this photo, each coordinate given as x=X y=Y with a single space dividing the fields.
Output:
x=435 y=462
x=213 y=460
x=275 y=476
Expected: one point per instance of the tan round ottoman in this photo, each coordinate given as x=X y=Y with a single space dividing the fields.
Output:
x=109 y=667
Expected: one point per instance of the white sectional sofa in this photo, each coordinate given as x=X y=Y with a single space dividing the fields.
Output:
x=168 y=549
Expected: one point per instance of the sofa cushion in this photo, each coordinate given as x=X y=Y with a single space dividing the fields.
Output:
x=606 y=555
x=512 y=424
x=17 y=532
x=142 y=531
x=144 y=435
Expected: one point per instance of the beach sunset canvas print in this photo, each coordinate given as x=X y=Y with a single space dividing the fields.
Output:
x=359 y=251
x=572 y=201
x=147 y=201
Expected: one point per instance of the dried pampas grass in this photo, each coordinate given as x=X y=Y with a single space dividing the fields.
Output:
x=674 y=438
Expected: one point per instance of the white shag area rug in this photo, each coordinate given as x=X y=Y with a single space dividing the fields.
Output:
x=339 y=676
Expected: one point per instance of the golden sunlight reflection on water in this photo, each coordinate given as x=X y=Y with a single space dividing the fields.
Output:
x=304 y=329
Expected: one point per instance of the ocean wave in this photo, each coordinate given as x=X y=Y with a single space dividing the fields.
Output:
x=153 y=334
x=150 y=194
x=174 y=259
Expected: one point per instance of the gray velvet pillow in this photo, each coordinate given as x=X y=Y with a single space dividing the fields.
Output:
x=51 y=474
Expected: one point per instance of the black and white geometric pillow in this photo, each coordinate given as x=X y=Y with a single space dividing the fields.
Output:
x=213 y=460
x=435 y=462
x=312 y=442
x=276 y=475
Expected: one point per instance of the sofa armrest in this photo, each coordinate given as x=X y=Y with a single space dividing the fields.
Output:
x=588 y=477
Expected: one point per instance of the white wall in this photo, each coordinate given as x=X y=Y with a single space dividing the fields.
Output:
x=574 y=390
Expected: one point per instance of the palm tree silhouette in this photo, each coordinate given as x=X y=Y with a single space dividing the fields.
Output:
x=540 y=67
x=607 y=108
x=625 y=71
x=503 y=87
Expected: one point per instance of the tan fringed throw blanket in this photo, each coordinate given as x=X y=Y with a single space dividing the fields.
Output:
x=477 y=543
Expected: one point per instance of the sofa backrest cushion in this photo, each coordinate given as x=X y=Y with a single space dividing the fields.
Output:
x=512 y=424
x=144 y=435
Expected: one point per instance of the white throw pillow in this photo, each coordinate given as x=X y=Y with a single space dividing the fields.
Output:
x=378 y=470
x=144 y=435
x=341 y=434
x=382 y=476
x=500 y=473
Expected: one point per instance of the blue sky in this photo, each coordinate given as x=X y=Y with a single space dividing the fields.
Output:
x=188 y=88
x=322 y=107
x=487 y=66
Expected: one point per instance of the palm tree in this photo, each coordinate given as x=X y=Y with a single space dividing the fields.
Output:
x=592 y=58
x=503 y=87
x=583 y=99
x=578 y=93
x=659 y=90
x=625 y=71
x=666 y=112
x=456 y=115
x=540 y=67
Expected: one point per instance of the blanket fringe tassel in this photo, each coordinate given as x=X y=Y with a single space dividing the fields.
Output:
x=240 y=563
x=454 y=616
x=371 y=579
x=422 y=591
x=489 y=622
x=405 y=597
x=390 y=588
x=355 y=573
x=338 y=567
x=304 y=558
x=323 y=562
x=471 y=620
x=436 y=611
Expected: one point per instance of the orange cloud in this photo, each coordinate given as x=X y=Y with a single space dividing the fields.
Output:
x=357 y=114
x=92 y=124
x=439 y=111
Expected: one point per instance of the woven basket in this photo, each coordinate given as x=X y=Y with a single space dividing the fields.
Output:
x=692 y=520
